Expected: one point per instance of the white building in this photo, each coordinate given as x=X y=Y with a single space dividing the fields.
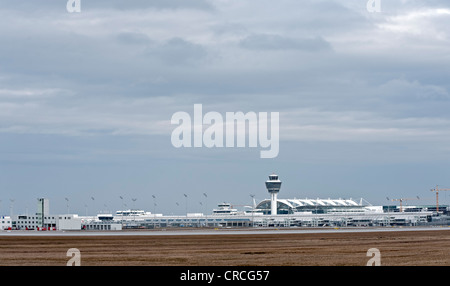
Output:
x=68 y=222
x=29 y=222
x=101 y=222
x=5 y=222
x=43 y=220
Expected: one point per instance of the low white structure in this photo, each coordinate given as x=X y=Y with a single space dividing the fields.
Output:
x=102 y=225
x=68 y=222
x=102 y=222
x=43 y=220
x=49 y=222
x=5 y=222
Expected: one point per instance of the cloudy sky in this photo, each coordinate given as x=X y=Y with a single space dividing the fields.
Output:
x=86 y=100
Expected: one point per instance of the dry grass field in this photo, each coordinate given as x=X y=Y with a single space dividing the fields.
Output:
x=403 y=248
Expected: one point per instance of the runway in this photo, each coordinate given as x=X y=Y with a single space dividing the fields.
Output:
x=177 y=232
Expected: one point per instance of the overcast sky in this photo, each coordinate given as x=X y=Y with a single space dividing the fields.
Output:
x=86 y=101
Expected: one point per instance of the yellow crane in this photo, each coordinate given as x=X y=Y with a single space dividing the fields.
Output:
x=401 y=200
x=437 y=190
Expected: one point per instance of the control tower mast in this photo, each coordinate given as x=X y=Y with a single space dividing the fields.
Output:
x=273 y=186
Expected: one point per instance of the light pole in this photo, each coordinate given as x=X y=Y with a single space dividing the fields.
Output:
x=11 y=207
x=134 y=210
x=206 y=208
x=154 y=204
x=186 y=207
x=122 y=210
x=93 y=206
x=186 y=196
x=67 y=203
x=154 y=215
x=154 y=211
x=201 y=205
x=253 y=208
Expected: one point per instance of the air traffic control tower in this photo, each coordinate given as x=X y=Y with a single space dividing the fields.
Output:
x=273 y=186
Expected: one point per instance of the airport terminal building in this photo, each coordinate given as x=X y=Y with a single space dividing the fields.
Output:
x=275 y=212
x=272 y=212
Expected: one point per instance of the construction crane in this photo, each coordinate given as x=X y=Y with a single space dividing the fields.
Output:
x=437 y=190
x=401 y=200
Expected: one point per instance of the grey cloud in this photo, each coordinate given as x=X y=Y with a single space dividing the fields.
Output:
x=178 y=51
x=132 y=62
x=403 y=90
x=277 y=42
x=133 y=38
x=222 y=29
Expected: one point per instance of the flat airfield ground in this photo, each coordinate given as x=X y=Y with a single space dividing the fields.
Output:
x=397 y=248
